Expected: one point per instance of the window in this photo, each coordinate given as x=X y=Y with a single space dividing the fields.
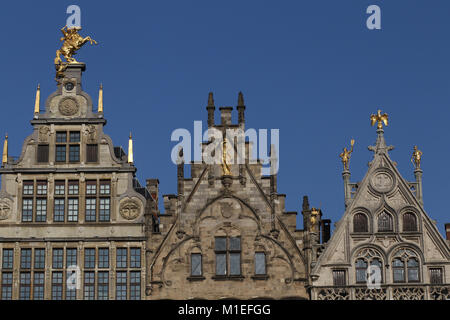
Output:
x=72 y=213
x=60 y=153
x=360 y=223
x=28 y=188
x=228 y=255
x=135 y=285
x=103 y=285
x=339 y=278
x=8 y=258
x=58 y=258
x=260 y=263
x=91 y=153
x=91 y=187
x=27 y=210
x=89 y=285
x=405 y=266
x=384 y=222
x=60 y=187
x=105 y=187
x=41 y=210
x=25 y=258
x=57 y=285
x=73 y=187
x=135 y=258
x=74 y=153
x=41 y=188
x=39 y=258
x=436 y=276
x=58 y=215
x=42 y=153
x=361 y=267
x=103 y=258
x=91 y=209
x=121 y=285
x=38 y=286
x=61 y=137
x=121 y=257
x=7 y=280
x=71 y=257
x=398 y=268
x=74 y=136
x=104 y=209
x=71 y=292
x=25 y=285
x=409 y=222
x=196 y=264
x=89 y=258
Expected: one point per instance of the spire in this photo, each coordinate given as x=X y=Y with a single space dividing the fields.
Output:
x=5 y=151
x=210 y=100
x=210 y=107
x=100 y=99
x=130 y=149
x=240 y=99
x=38 y=99
x=380 y=145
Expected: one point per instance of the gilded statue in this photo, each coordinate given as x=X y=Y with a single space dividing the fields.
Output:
x=72 y=42
x=416 y=157
x=379 y=119
x=345 y=155
x=226 y=169
x=314 y=218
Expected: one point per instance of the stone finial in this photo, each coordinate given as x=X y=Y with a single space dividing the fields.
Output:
x=305 y=203
x=5 y=151
x=210 y=107
x=240 y=99
x=100 y=99
x=37 y=100
x=210 y=100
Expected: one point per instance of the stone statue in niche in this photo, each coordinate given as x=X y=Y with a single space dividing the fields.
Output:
x=44 y=133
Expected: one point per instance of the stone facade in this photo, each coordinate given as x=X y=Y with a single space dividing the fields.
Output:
x=227 y=236
x=386 y=228
x=71 y=202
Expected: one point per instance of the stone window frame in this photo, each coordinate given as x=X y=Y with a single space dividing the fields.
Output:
x=102 y=196
x=68 y=143
x=369 y=254
x=365 y=215
x=405 y=254
x=228 y=251
x=441 y=271
x=390 y=216
x=32 y=192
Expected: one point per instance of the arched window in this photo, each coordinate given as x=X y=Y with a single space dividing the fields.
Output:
x=384 y=222
x=405 y=266
x=409 y=222
x=360 y=223
x=364 y=258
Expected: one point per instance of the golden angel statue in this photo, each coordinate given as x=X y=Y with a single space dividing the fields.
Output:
x=345 y=155
x=416 y=157
x=72 y=42
x=380 y=119
x=314 y=218
x=226 y=169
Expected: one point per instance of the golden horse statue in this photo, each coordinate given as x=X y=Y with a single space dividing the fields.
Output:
x=72 y=42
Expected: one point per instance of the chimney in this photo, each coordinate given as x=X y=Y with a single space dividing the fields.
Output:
x=241 y=109
x=326 y=232
x=153 y=188
x=225 y=115
x=447 y=231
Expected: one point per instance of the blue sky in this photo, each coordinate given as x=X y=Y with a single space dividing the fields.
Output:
x=310 y=68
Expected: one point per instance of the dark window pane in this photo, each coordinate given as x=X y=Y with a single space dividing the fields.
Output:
x=7 y=280
x=360 y=223
x=103 y=285
x=385 y=222
x=121 y=257
x=103 y=258
x=73 y=187
x=74 y=136
x=60 y=187
x=104 y=209
x=25 y=258
x=28 y=187
x=260 y=263
x=72 y=210
x=91 y=187
x=105 y=188
x=25 y=282
x=221 y=264
x=91 y=209
x=91 y=153
x=38 y=286
x=235 y=264
x=74 y=153
x=39 y=258
x=42 y=153
x=339 y=277
x=409 y=222
x=235 y=244
x=135 y=258
x=71 y=257
x=89 y=285
x=61 y=136
x=89 y=258
x=58 y=258
x=41 y=210
x=135 y=285
x=57 y=285
x=436 y=276
x=27 y=210
x=8 y=258
x=60 y=153
x=41 y=188
x=221 y=244
x=121 y=285
x=58 y=215
x=196 y=264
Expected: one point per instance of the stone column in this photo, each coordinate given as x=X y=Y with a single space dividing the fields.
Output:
x=418 y=174
x=347 y=188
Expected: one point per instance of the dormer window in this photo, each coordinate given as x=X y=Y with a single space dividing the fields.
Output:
x=67 y=146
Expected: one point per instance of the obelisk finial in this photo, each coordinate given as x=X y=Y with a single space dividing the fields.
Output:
x=130 y=149
x=100 y=99
x=37 y=100
x=5 y=151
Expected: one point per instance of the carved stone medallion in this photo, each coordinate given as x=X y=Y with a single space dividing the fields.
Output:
x=68 y=107
x=5 y=209
x=129 y=209
x=382 y=182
